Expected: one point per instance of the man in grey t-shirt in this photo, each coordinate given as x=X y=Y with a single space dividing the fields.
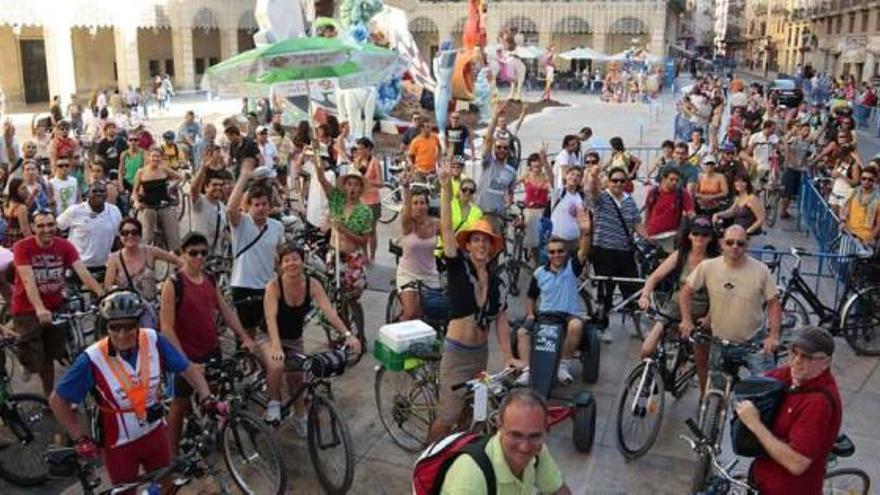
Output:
x=207 y=214
x=495 y=190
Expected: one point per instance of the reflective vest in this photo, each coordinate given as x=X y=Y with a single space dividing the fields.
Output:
x=124 y=394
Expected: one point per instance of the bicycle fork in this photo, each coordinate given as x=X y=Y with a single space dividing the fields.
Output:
x=635 y=408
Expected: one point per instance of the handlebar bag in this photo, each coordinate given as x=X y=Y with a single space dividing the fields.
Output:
x=767 y=394
x=435 y=304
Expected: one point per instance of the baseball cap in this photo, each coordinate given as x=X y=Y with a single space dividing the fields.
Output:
x=728 y=147
x=709 y=159
x=702 y=225
x=814 y=339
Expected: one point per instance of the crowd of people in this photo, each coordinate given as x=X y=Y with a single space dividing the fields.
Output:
x=90 y=215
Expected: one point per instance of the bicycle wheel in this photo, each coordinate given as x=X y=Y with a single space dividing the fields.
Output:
x=640 y=411
x=407 y=404
x=861 y=321
x=390 y=199
x=771 y=206
x=794 y=317
x=846 y=481
x=28 y=418
x=516 y=276
x=710 y=425
x=352 y=314
x=330 y=446
x=393 y=307
x=251 y=455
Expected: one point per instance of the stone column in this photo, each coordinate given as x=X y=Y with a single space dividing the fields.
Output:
x=868 y=70
x=184 y=65
x=59 y=61
x=228 y=43
x=128 y=68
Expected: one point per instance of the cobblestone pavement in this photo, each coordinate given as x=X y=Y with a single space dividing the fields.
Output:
x=382 y=468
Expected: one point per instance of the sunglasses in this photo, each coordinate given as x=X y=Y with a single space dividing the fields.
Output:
x=501 y=147
x=868 y=179
x=701 y=234
x=556 y=251
x=122 y=327
x=736 y=242
x=133 y=140
x=129 y=232
x=468 y=190
x=618 y=181
x=591 y=162
x=194 y=253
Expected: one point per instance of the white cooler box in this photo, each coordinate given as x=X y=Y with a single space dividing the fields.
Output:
x=399 y=337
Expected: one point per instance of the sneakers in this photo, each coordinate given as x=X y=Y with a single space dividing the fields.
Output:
x=523 y=379
x=605 y=336
x=563 y=374
x=273 y=412
x=301 y=425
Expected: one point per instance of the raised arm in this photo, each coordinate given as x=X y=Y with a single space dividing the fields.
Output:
x=322 y=178
x=450 y=246
x=233 y=213
x=406 y=223
x=195 y=192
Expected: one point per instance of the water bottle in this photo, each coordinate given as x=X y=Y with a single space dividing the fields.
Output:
x=153 y=489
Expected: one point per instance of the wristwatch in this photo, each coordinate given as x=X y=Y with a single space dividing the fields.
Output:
x=347 y=334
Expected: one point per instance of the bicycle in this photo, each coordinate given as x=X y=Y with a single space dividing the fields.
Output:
x=391 y=194
x=26 y=416
x=841 y=481
x=855 y=316
x=196 y=444
x=247 y=443
x=326 y=428
x=393 y=307
x=407 y=400
x=725 y=360
x=80 y=326
x=670 y=368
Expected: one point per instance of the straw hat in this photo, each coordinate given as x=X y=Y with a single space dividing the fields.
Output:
x=481 y=226
x=350 y=171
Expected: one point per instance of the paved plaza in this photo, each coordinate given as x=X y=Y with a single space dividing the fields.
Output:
x=382 y=468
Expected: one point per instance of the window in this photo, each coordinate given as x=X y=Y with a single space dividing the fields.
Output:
x=839 y=27
x=154 y=68
x=852 y=23
x=865 y=16
x=200 y=66
x=169 y=67
x=213 y=61
x=828 y=23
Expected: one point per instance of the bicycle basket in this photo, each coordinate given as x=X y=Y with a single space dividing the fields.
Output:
x=326 y=364
x=767 y=395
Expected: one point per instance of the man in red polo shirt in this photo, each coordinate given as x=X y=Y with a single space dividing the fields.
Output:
x=665 y=206
x=807 y=421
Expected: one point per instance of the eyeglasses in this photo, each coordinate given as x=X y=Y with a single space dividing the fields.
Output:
x=194 y=253
x=736 y=242
x=98 y=192
x=122 y=327
x=469 y=190
x=618 y=181
x=63 y=165
x=133 y=140
x=129 y=232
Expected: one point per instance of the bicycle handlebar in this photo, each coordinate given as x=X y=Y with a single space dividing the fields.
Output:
x=489 y=379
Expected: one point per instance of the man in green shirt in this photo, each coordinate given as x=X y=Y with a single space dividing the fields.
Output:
x=519 y=458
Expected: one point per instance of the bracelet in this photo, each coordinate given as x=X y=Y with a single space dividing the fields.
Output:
x=347 y=334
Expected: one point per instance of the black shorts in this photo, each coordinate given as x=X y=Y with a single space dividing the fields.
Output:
x=182 y=389
x=791 y=183
x=249 y=306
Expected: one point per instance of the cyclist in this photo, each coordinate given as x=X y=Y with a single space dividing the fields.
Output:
x=152 y=199
x=517 y=454
x=695 y=243
x=761 y=151
x=739 y=289
x=458 y=136
x=666 y=207
x=476 y=297
x=556 y=284
x=41 y=261
x=190 y=303
x=289 y=299
x=497 y=177
x=807 y=423
x=417 y=244
x=859 y=214
x=92 y=228
x=124 y=373
x=208 y=213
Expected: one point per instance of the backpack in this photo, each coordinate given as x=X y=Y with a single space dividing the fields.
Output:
x=177 y=280
x=431 y=467
x=654 y=195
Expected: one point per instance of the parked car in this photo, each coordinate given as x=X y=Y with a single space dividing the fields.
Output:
x=785 y=92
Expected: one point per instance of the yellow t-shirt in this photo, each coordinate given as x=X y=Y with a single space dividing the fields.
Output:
x=172 y=155
x=856 y=220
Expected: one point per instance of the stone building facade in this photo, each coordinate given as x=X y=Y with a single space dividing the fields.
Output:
x=51 y=47
x=843 y=36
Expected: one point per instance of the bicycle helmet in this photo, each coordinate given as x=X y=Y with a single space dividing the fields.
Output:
x=120 y=305
x=168 y=135
x=727 y=146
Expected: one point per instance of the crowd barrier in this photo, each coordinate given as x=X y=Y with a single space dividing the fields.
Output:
x=838 y=249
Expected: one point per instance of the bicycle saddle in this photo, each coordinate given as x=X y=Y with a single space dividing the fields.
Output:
x=60 y=456
x=843 y=446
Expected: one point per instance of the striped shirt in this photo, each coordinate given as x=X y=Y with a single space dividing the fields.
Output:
x=608 y=233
